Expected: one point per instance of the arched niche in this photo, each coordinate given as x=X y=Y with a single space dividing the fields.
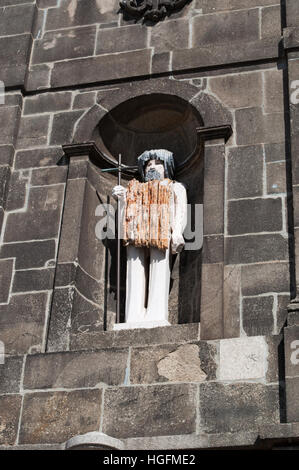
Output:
x=151 y=121
x=163 y=113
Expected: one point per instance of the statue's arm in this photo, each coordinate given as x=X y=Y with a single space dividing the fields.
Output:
x=180 y=217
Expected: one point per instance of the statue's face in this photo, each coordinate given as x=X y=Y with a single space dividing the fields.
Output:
x=154 y=170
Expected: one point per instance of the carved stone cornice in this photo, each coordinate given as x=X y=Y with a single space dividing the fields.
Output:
x=151 y=10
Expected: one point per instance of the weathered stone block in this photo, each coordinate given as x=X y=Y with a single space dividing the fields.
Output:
x=291 y=37
x=10 y=407
x=47 y=102
x=214 y=191
x=64 y=44
x=65 y=274
x=273 y=89
x=254 y=215
x=46 y=3
x=42 y=218
x=101 y=68
x=38 y=77
x=266 y=277
x=126 y=38
x=217 y=54
x=236 y=407
x=167 y=36
x=6 y=154
x=171 y=363
x=270 y=21
x=10 y=374
x=276 y=178
x=58 y=416
x=33 y=280
x=282 y=312
x=9 y=117
x=292 y=397
x=22 y=323
x=255 y=248
x=274 y=152
x=76 y=370
x=258 y=318
x=88 y=314
x=255 y=127
x=225 y=28
x=245 y=172
x=29 y=254
x=4 y=178
x=6 y=273
x=14 y=66
x=231 y=301
x=211 y=311
x=37 y=157
x=89 y=287
x=84 y=100
x=296 y=205
x=16 y=20
x=48 y=176
x=68 y=249
x=33 y=131
x=161 y=62
x=174 y=334
x=63 y=127
x=155 y=410
x=243 y=359
x=238 y=90
x=213 y=247
x=83 y=12
x=60 y=321
x=292 y=13
x=275 y=358
x=17 y=189
x=213 y=6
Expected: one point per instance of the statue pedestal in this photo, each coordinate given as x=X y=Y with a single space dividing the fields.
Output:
x=143 y=324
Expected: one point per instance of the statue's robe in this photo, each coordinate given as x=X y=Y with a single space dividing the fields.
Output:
x=148 y=214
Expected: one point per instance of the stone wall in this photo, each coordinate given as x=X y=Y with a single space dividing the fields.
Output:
x=65 y=65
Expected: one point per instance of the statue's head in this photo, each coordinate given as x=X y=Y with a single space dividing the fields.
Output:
x=156 y=164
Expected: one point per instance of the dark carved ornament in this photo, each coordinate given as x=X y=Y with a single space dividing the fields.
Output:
x=151 y=10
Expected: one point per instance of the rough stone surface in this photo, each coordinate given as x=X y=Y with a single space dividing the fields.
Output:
x=236 y=407
x=67 y=44
x=76 y=370
x=238 y=90
x=266 y=277
x=41 y=220
x=52 y=417
x=171 y=363
x=10 y=406
x=10 y=374
x=6 y=268
x=245 y=172
x=152 y=411
x=243 y=359
x=258 y=316
x=22 y=323
x=255 y=248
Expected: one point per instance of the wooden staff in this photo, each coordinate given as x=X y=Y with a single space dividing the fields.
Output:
x=118 y=224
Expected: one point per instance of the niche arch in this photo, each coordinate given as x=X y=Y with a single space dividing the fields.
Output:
x=133 y=110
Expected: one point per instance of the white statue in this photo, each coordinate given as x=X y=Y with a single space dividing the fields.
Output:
x=155 y=218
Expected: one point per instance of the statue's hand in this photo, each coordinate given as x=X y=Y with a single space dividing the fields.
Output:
x=177 y=242
x=119 y=192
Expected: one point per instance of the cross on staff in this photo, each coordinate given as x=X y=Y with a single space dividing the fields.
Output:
x=118 y=168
